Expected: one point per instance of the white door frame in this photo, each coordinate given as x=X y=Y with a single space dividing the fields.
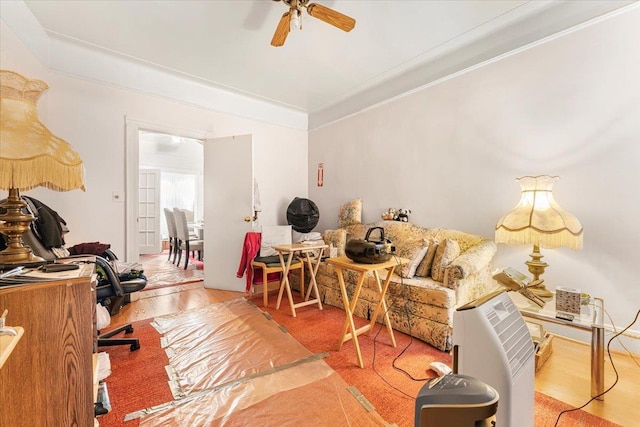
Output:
x=132 y=168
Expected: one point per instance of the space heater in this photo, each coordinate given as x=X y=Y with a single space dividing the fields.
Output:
x=491 y=342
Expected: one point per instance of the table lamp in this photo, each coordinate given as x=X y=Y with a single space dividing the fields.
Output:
x=30 y=156
x=537 y=219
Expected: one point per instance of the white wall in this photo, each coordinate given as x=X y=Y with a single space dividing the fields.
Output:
x=92 y=118
x=451 y=151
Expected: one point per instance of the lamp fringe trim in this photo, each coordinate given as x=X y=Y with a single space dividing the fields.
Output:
x=41 y=171
x=557 y=239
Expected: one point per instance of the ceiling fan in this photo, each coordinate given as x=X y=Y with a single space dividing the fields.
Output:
x=293 y=18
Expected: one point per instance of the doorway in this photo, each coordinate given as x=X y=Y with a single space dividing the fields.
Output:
x=171 y=176
x=228 y=199
x=175 y=157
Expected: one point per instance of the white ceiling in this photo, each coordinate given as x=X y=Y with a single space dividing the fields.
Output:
x=322 y=72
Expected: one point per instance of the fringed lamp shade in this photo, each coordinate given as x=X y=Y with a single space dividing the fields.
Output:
x=30 y=156
x=537 y=219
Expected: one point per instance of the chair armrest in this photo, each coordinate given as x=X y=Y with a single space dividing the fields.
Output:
x=470 y=262
x=114 y=281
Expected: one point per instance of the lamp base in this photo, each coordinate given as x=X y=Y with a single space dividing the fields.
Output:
x=13 y=224
x=540 y=290
x=536 y=268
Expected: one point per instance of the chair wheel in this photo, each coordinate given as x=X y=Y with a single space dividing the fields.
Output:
x=128 y=330
x=135 y=346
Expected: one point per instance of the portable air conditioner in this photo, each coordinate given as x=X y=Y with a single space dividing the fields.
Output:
x=491 y=342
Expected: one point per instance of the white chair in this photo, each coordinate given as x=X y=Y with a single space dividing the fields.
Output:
x=173 y=234
x=191 y=223
x=185 y=241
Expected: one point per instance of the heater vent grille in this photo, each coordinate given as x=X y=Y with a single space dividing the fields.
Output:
x=512 y=333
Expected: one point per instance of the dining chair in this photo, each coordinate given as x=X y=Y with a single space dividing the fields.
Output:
x=186 y=242
x=173 y=234
x=191 y=223
x=267 y=261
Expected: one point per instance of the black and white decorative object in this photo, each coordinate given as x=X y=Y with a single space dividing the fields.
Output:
x=568 y=300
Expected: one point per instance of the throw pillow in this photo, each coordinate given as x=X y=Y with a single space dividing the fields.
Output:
x=350 y=213
x=424 y=268
x=447 y=251
x=274 y=235
x=414 y=251
x=337 y=238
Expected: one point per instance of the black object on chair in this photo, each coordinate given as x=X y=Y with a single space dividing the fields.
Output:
x=114 y=294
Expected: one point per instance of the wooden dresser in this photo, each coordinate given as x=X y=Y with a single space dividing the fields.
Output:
x=47 y=379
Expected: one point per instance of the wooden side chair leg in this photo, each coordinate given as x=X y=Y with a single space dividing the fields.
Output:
x=186 y=254
x=265 y=288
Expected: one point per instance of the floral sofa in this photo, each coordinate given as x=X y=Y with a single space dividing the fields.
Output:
x=446 y=269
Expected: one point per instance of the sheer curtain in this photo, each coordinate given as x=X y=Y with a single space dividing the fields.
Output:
x=178 y=190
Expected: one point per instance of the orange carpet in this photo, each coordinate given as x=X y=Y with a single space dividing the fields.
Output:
x=391 y=391
x=138 y=379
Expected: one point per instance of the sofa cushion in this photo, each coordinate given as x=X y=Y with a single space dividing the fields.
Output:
x=358 y=231
x=424 y=268
x=399 y=232
x=465 y=240
x=350 y=213
x=447 y=251
x=414 y=251
x=337 y=238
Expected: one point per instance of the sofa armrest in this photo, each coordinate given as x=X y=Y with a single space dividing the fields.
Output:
x=470 y=262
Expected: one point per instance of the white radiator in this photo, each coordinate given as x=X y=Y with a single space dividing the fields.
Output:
x=492 y=343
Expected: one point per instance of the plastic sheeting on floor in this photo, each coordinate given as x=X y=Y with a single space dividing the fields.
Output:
x=230 y=364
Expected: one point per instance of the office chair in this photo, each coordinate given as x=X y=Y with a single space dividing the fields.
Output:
x=113 y=294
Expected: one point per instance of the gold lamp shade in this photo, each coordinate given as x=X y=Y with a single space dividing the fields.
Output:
x=538 y=219
x=30 y=156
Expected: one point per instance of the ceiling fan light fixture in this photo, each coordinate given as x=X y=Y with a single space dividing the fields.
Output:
x=295 y=19
x=292 y=19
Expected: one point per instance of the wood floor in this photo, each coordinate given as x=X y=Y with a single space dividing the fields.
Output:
x=565 y=376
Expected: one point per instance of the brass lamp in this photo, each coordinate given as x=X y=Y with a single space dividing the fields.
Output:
x=537 y=219
x=30 y=156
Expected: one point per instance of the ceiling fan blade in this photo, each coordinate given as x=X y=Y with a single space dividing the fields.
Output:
x=330 y=16
x=282 y=31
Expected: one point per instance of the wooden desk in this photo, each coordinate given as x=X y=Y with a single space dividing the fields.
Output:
x=349 y=331
x=47 y=381
x=305 y=251
x=8 y=343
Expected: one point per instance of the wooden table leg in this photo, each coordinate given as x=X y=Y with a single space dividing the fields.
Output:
x=383 y=304
x=284 y=284
x=349 y=307
x=313 y=284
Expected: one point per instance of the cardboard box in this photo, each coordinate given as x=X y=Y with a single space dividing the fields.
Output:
x=544 y=351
